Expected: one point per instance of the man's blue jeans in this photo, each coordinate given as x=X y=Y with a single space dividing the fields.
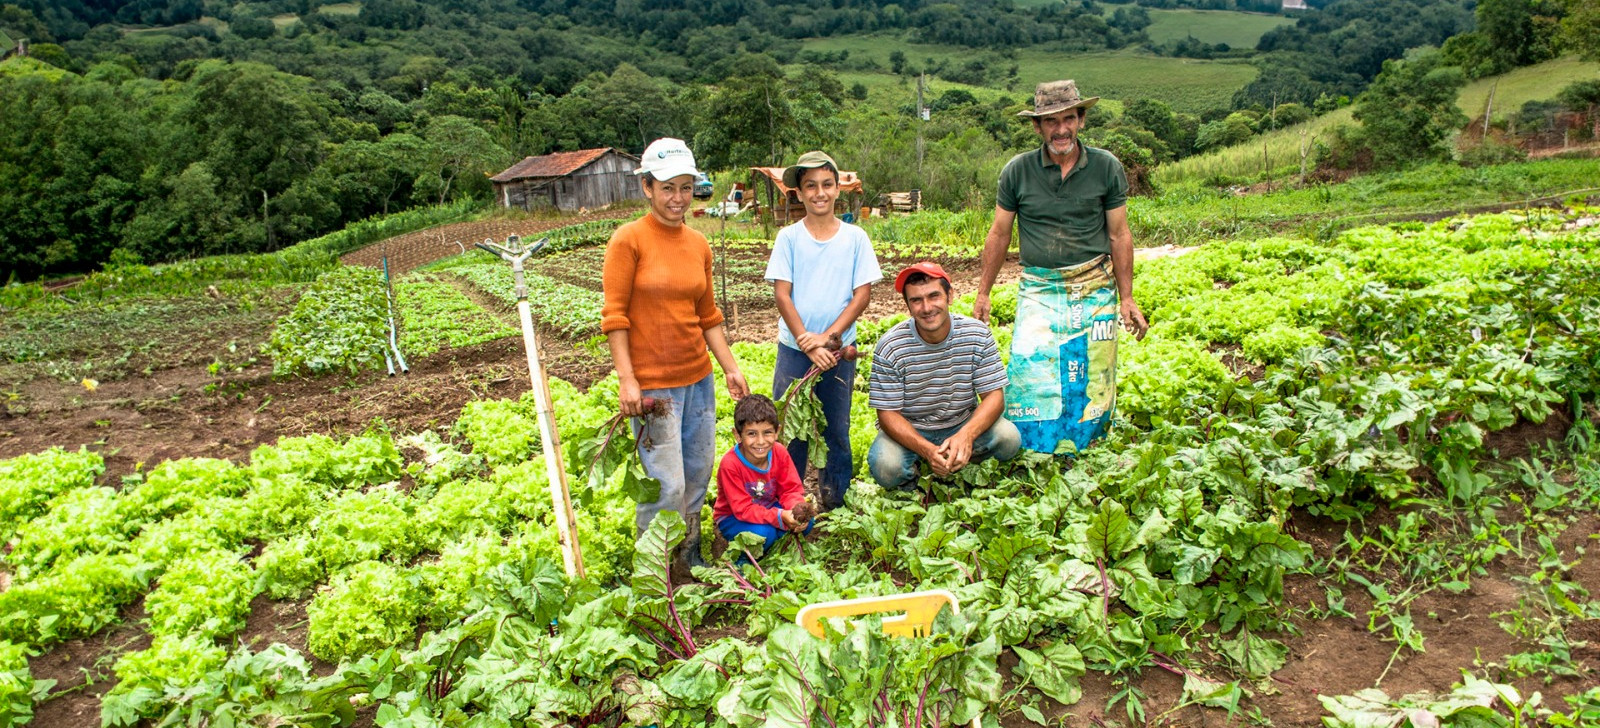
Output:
x=893 y=465
x=833 y=389
x=683 y=446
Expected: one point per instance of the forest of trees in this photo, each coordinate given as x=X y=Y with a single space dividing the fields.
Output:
x=245 y=127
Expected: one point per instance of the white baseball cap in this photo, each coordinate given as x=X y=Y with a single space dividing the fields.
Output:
x=666 y=158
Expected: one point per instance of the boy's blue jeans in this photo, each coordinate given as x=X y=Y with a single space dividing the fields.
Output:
x=893 y=465
x=833 y=389
x=731 y=527
x=683 y=448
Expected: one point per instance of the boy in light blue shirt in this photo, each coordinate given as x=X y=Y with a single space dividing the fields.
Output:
x=822 y=270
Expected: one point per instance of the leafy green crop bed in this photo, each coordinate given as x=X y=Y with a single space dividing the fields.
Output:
x=437 y=315
x=110 y=340
x=564 y=288
x=574 y=311
x=1380 y=364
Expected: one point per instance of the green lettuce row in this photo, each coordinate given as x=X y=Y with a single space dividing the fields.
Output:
x=27 y=483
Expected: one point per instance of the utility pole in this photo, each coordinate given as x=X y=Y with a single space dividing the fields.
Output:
x=772 y=129
x=922 y=116
x=266 y=219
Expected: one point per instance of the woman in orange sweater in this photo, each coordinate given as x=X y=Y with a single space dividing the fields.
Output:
x=660 y=317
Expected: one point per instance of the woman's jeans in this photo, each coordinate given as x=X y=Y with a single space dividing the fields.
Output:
x=683 y=446
x=833 y=389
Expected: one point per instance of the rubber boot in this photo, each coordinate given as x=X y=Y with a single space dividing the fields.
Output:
x=828 y=498
x=689 y=550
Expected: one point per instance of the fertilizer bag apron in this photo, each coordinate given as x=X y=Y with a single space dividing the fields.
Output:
x=1064 y=356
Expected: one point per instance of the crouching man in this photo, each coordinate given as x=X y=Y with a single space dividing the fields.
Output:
x=937 y=384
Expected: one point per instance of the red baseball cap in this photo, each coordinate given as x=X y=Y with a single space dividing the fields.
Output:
x=933 y=269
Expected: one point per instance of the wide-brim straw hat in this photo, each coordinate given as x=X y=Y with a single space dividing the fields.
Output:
x=1055 y=96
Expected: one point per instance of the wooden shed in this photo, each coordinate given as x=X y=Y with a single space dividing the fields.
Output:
x=588 y=178
x=783 y=202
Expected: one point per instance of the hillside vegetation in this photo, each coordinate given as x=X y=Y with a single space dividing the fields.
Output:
x=1277 y=154
x=1512 y=89
x=186 y=127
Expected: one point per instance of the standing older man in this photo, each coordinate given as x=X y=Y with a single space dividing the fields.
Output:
x=937 y=385
x=1069 y=203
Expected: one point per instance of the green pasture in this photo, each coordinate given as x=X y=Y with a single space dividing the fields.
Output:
x=1186 y=84
x=217 y=24
x=1530 y=83
x=1238 y=30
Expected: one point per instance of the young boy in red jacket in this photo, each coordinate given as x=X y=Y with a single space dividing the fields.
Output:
x=758 y=486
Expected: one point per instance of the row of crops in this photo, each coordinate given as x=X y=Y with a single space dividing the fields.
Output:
x=1382 y=362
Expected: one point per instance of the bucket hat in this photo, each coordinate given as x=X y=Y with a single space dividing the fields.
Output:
x=809 y=160
x=1055 y=96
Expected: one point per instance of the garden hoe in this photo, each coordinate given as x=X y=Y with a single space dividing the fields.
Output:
x=566 y=524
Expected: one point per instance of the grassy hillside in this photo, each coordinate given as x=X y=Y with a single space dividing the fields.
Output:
x=1186 y=84
x=1282 y=156
x=1186 y=215
x=1238 y=30
x=1531 y=83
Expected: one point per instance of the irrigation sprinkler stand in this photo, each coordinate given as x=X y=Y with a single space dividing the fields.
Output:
x=391 y=354
x=561 y=496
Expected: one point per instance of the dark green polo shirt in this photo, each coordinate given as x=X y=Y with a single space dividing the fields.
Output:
x=1062 y=222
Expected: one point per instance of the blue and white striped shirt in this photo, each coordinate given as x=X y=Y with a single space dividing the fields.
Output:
x=935 y=386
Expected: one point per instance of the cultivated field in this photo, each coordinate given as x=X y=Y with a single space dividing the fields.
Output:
x=1348 y=456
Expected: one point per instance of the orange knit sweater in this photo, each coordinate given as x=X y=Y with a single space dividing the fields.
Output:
x=657 y=282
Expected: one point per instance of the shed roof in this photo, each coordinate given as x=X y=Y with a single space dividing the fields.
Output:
x=559 y=164
x=848 y=181
x=6 y=43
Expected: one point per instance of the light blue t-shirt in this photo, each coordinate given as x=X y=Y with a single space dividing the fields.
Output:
x=824 y=275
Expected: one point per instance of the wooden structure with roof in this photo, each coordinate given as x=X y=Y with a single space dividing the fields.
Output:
x=587 y=178
x=783 y=202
